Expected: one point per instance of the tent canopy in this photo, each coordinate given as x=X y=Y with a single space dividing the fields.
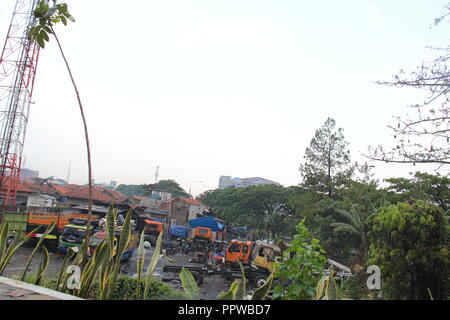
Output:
x=179 y=231
x=208 y=222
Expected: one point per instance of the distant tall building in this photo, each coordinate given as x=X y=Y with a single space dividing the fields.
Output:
x=28 y=174
x=228 y=181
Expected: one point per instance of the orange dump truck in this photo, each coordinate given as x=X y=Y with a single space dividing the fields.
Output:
x=152 y=229
x=43 y=219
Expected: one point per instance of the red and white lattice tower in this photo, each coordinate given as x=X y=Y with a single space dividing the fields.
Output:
x=18 y=62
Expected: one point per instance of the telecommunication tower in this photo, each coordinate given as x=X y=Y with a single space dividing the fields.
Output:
x=18 y=62
x=156 y=174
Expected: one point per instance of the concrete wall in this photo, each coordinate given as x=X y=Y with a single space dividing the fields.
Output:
x=194 y=211
x=179 y=213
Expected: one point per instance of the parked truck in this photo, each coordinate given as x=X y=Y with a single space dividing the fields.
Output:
x=201 y=240
x=43 y=219
x=73 y=234
x=257 y=258
x=152 y=229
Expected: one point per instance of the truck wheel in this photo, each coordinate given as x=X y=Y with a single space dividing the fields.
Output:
x=260 y=280
x=198 y=277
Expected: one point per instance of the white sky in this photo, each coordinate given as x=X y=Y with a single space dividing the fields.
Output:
x=209 y=88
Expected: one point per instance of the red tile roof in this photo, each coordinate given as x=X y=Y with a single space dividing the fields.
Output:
x=193 y=202
x=166 y=204
x=37 y=186
x=82 y=192
x=99 y=193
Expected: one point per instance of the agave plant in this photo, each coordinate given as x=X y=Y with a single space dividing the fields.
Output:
x=45 y=261
x=7 y=252
x=327 y=288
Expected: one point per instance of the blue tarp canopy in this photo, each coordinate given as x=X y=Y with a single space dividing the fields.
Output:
x=208 y=222
x=179 y=231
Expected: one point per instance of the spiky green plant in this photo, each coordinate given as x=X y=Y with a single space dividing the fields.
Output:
x=151 y=267
x=140 y=263
x=7 y=252
x=189 y=285
x=327 y=288
x=42 y=266
x=62 y=277
x=38 y=245
x=104 y=264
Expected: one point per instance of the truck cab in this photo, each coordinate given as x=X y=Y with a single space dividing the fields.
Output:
x=152 y=229
x=263 y=255
x=202 y=233
x=238 y=250
x=73 y=234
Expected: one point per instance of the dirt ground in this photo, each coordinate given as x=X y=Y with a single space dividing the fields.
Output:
x=209 y=289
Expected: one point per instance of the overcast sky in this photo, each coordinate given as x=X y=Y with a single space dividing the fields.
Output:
x=209 y=88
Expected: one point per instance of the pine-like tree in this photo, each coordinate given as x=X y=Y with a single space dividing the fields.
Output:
x=326 y=159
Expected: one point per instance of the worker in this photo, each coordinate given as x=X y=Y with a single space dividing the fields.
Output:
x=120 y=219
x=102 y=224
x=184 y=246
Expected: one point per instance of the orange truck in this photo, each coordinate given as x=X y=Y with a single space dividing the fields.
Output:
x=43 y=219
x=202 y=233
x=152 y=229
x=238 y=250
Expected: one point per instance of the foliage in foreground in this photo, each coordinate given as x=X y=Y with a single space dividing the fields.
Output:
x=410 y=243
x=298 y=275
x=126 y=289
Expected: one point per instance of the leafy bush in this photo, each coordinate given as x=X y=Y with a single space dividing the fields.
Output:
x=299 y=274
x=126 y=290
x=410 y=243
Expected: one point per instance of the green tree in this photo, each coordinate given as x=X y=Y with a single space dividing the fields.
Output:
x=326 y=160
x=356 y=227
x=424 y=186
x=298 y=275
x=410 y=243
x=324 y=214
x=170 y=186
x=265 y=208
x=131 y=189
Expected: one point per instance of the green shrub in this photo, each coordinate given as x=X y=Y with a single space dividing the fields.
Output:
x=298 y=275
x=126 y=290
x=410 y=243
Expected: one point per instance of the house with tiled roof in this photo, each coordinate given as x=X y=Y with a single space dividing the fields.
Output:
x=79 y=195
x=25 y=188
x=196 y=208
x=181 y=210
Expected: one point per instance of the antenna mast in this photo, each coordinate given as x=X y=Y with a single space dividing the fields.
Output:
x=18 y=62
